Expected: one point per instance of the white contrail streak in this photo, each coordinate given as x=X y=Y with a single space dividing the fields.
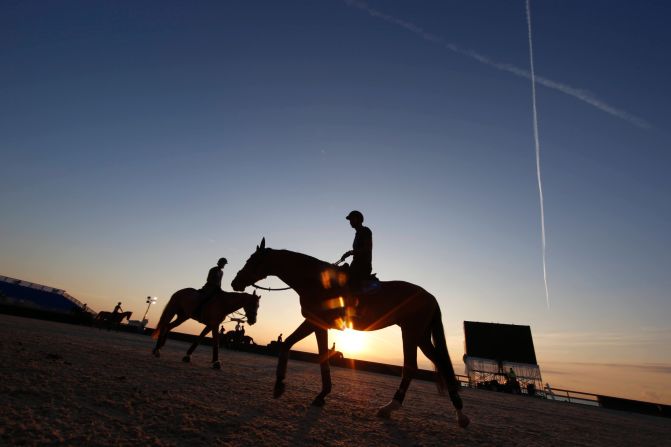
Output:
x=538 y=152
x=579 y=94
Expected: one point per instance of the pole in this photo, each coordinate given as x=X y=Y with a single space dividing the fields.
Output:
x=150 y=301
x=146 y=312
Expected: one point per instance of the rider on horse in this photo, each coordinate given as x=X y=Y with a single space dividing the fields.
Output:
x=362 y=251
x=212 y=284
x=117 y=308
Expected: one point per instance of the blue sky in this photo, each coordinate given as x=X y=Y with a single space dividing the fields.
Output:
x=140 y=141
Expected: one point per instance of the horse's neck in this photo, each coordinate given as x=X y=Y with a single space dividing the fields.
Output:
x=296 y=269
x=232 y=299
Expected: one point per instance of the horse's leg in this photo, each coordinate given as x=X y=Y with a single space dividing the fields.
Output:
x=306 y=328
x=445 y=377
x=215 y=347
x=187 y=357
x=409 y=370
x=164 y=333
x=323 y=347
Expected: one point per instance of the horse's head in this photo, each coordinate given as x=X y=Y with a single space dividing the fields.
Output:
x=251 y=307
x=254 y=269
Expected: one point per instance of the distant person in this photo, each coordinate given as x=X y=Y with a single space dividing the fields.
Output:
x=222 y=331
x=512 y=384
x=362 y=251
x=548 y=391
x=117 y=308
x=212 y=284
x=279 y=338
x=333 y=347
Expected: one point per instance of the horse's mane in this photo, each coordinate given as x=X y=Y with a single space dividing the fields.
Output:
x=303 y=258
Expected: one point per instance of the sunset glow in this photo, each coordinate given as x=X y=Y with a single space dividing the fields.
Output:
x=143 y=141
x=350 y=342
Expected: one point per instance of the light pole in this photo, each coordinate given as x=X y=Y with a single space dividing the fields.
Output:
x=150 y=300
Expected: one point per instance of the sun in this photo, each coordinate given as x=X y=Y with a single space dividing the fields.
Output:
x=350 y=342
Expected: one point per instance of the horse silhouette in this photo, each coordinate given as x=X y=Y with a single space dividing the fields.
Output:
x=183 y=305
x=232 y=339
x=112 y=319
x=327 y=303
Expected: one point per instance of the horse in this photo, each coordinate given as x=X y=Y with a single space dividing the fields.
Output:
x=112 y=318
x=328 y=303
x=233 y=339
x=184 y=303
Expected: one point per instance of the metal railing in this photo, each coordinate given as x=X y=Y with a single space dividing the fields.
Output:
x=571 y=396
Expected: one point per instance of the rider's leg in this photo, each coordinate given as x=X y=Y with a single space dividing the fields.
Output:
x=202 y=297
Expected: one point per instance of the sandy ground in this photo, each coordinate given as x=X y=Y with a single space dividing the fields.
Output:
x=63 y=384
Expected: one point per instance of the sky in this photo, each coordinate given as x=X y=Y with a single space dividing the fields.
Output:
x=141 y=141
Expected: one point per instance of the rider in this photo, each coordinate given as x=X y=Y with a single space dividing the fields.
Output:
x=362 y=251
x=212 y=284
x=117 y=308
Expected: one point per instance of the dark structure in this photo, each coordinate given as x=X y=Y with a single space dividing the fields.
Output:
x=618 y=403
x=501 y=357
x=16 y=292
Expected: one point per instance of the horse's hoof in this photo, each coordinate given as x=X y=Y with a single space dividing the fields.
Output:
x=386 y=411
x=186 y=358
x=216 y=365
x=463 y=420
x=279 y=389
x=318 y=402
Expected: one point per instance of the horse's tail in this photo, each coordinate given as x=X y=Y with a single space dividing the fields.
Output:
x=166 y=316
x=446 y=376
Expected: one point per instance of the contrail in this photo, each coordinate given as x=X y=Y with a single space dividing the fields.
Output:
x=579 y=94
x=538 y=151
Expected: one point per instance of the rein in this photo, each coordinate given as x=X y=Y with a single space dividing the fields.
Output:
x=270 y=289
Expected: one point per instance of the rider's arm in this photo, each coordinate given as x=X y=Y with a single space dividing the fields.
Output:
x=346 y=255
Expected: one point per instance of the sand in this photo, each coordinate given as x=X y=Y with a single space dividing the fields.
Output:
x=64 y=384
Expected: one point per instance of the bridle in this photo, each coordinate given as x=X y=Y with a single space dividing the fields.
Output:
x=269 y=289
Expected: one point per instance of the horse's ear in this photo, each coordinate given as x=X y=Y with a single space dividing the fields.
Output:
x=263 y=243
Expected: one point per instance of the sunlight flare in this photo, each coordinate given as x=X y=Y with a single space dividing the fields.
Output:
x=350 y=342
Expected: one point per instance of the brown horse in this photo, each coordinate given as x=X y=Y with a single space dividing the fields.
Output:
x=112 y=319
x=184 y=303
x=326 y=303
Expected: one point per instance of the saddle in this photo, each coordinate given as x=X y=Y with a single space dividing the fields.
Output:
x=365 y=286
x=368 y=286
